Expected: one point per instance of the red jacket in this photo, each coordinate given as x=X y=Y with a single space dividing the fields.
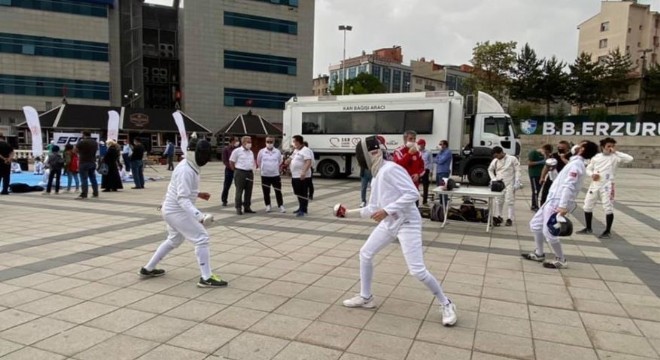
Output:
x=414 y=164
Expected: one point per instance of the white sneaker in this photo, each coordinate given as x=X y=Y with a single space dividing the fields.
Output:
x=282 y=209
x=448 y=312
x=555 y=264
x=359 y=301
x=363 y=204
x=267 y=208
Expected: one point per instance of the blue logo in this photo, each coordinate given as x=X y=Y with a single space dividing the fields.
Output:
x=528 y=126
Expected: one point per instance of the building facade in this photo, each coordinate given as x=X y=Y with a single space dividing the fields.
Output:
x=246 y=54
x=385 y=64
x=320 y=85
x=46 y=56
x=632 y=28
x=429 y=76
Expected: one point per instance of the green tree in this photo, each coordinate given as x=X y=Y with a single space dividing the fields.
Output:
x=492 y=67
x=553 y=84
x=362 y=84
x=652 y=82
x=617 y=79
x=585 y=82
x=526 y=76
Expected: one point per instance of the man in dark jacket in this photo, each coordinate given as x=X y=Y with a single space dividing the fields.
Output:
x=87 y=148
x=137 y=164
x=229 y=173
x=6 y=155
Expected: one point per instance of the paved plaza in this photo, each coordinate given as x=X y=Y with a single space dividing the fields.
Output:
x=69 y=285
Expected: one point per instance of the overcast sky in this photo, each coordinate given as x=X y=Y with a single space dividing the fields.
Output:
x=446 y=31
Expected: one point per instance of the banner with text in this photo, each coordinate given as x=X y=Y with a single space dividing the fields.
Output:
x=579 y=126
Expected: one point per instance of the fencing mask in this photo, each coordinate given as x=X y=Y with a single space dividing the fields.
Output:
x=364 y=156
x=198 y=153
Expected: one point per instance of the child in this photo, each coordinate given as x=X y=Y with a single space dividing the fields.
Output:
x=38 y=166
x=71 y=167
x=55 y=164
x=16 y=167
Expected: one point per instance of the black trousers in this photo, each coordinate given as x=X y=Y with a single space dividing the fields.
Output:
x=229 y=178
x=170 y=162
x=545 y=190
x=5 y=174
x=243 y=180
x=536 y=189
x=276 y=183
x=425 y=186
x=301 y=190
x=310 y=188
x=56 y=174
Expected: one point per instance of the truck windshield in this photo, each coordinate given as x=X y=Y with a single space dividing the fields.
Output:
x=513 y=128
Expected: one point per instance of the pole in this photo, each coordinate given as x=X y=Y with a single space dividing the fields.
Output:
x=343 y=65
x=641 y=84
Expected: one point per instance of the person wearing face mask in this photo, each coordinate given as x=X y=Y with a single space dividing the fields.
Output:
x=269 y=160
x=561 y=156
x=242 y=162
x=409 y=157
x=427 y=157
x=301 y=169
x=602 y=169
x=392 y=205
x=183 y=219
x=229 y=172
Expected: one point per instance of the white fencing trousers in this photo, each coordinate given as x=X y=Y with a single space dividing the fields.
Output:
x=606 y=195
x=509 y=201
x=540 y=230
x=180 y=226
x=410 y=238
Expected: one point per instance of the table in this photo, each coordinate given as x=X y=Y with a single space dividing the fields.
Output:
x=475 y=192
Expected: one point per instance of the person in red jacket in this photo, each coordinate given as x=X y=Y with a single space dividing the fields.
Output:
x=409 y=157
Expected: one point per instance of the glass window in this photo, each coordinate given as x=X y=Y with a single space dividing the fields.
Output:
x=602 y=43
x=605 y=26
x=387 y=78
x=368 y=122
x=260 y=23
x=352 y=72
x=98 y=8
x=53 y=47
x=260 y=62
x=406 y=81
x=255 y=98
x=396 y=82
x=497 y=126
x=376 y=71
x=293 y=3
x=43 y=86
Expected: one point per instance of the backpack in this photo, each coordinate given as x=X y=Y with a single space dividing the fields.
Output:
x=437 y=212
x=73 y=165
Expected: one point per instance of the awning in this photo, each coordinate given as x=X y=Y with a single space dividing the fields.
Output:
x=88 y=117
x=251 y=125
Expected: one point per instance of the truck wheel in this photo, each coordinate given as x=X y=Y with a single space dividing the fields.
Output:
x=478 y=175
x=329 y=169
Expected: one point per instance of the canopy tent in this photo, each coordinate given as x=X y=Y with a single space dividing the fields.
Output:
x=251 y=125
x=89 y=117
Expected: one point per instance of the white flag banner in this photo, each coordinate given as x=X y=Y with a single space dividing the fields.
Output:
x=34 y=124
x=178 y=119
x=113 y=125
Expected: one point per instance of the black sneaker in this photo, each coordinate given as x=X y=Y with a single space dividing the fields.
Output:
x=82 y=197
x=224 y=203
x=249 y=211
x=496 y=221
x=213 y=281
x=153 y=273
x=584 y=231
x=605 y=235
x=534 y=208
x=508 y=222
x=239 y=212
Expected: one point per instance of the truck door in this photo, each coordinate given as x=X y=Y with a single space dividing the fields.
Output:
x=496 y=131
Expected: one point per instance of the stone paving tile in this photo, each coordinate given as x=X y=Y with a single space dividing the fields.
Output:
x=121 y=347
x=33 y=331
x=329 y=335
x=302 y=351
x=204 y=338
x=380 y=345
x=30 y=353
x=249 y=346
x=74 y=340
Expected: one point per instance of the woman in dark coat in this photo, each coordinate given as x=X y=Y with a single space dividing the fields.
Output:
x=111 y=181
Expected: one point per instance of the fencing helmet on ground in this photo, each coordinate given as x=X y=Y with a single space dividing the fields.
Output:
x=559 y=225
x=497 y=186
x=198 y=152
x=365 y=158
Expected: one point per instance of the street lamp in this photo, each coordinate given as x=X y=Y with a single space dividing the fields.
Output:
x=131 y=96
x=344 y=28
x=641 y=83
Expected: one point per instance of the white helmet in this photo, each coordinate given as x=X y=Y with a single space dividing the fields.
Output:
x=552 y=162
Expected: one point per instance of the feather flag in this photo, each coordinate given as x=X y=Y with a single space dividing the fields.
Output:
x=178 y=119
x=34 y=124
x=113 y=125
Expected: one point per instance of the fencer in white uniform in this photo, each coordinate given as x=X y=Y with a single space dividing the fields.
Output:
x=561 y=198
x=183 y=219
x=392 y=205
x=506 y=168
x=602 y=169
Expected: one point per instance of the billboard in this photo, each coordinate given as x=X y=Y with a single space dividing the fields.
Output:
x=583 y=126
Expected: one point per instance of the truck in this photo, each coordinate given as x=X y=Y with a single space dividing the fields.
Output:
x=333 y=125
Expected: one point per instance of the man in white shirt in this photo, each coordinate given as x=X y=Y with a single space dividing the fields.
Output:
x=301 y=169
x=601 y=169
x=269 y=160
x=427 y=157
x=242 y=162
x=506 y=168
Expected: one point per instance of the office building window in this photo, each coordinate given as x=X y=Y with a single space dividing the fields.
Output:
x=259 y=62
x=54 y=87
x=256 y=98
x=387 y=78
x=605 y=26
x=375 y=70
x=52 y=47
x=396 y=81
x=602 y=60
x=352 y=72
x=406 y=81
x=602 y=43
x=293 y=3
x=86 y=8
x=260 y=23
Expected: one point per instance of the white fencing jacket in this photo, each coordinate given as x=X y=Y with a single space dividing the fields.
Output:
x=605 y=166
x=182 y=192
x=566 y=187
x=507 y=170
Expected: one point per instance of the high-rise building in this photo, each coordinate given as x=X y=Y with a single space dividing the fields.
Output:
x=385 y=64
x=244 y=54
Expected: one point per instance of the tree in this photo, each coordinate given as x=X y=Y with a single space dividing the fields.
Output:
x=652 y=82
x=362 y=84
x=617 y=79
x=492 y=67
x=585 y=82
x=553 y=84
x=526 y=76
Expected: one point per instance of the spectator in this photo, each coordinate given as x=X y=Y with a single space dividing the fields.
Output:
x=506 y=168
x=408 y=156
x=169 y=154
x=126 y=152
x=112 y=180
x=55 y=165
x=234 y=143
x=536 y=162
x=6 y=156
x=310 y=183
x=137 y=163
x=562 y=156
x=71 y=167
x=87 y=148
x=269 y=160
x=242 y=162
x=38 y=166
x=301 y=169
x=427 y=157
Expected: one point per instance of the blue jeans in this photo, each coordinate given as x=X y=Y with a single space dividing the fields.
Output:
x=438 y=179
x=138 y=173
x=88 y=174
x=69 y=176
x=365 y=180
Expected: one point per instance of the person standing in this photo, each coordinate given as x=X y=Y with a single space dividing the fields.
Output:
x=112 y=180
x=137 y=163
x=55 y=164
x=169 y=154
x=269 y=160
x=71 y=167
x=301 y=169
x=87 y=148
x=561 y=156
x=183 y=219
x=427 y=157
x=563 y=193
x=126 y=152
x=408 y=156
x=310 y=183
x=234 y=143
x=242 y=162
x=535 y=164
x=392 y=206
x=602 y=169
x=506 y=168
x=6 y=156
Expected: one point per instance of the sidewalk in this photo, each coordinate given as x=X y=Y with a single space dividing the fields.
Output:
x=69 y=285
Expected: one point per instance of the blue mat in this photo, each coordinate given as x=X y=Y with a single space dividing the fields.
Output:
x=32 y=180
